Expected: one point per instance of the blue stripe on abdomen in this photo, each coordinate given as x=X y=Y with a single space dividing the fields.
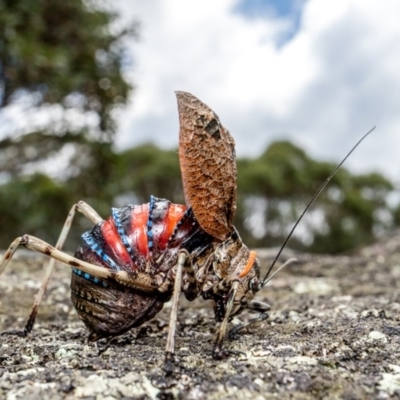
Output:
x=89 y=277
x=121 y=232
x=96 y=248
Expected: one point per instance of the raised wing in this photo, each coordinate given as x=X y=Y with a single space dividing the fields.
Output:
x=208 y=166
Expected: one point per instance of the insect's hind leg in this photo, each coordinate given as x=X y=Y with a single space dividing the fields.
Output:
x=170 y=347
x=89 y=213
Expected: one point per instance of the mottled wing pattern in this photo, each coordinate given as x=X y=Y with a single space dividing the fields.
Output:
x=208 y=166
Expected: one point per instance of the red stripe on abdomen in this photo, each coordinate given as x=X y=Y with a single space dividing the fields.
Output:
x=173 y=216
x=138 y=230
x=115 y=248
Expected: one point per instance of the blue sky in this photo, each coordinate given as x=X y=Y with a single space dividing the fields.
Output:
x=284 y=9
x=279 y=9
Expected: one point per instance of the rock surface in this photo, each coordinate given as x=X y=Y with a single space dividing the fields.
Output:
x=333 y=333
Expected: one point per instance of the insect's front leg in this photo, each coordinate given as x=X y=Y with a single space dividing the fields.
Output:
x=89 y=213
x=255 y=305
x=218 y=353
x=136 y=280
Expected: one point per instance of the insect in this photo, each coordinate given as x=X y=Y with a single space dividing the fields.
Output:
x=130 y=264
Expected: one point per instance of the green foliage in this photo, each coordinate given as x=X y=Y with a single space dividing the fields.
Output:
x=147 y=170
x=282 y=181
x=396 y=215
x=35 y=205
x=355 y=213
x=62 y=56
x=271 y=196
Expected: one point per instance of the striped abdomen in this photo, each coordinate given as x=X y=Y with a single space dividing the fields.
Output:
x=147 y=238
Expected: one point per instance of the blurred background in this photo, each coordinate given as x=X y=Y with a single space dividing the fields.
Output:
x=87 y=111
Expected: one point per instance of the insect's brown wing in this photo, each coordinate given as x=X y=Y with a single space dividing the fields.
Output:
x=208 y=166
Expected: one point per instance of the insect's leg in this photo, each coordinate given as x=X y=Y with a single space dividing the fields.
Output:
x=255 y=305
x=88 y=212
x=170 y=347
x=136 y=280
x=259 y=306
x=217 y=351
x=234 y=332
x=192 y=290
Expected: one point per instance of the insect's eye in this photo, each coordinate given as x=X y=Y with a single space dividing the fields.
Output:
x=254 y=284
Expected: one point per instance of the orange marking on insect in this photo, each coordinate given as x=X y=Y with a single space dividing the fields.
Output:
x=249 y=264
x=175 y=214
x=183 y=174
x=114 y=242
x=140 y=216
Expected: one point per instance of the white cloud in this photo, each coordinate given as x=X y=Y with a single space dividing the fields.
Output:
x=336 y=78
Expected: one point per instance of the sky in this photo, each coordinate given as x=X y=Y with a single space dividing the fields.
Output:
x=319 y=73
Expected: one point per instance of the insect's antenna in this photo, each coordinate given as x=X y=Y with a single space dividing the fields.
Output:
x=285 y=264
x=321 y=188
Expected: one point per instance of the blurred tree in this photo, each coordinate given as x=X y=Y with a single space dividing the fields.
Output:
x=61 y=56
x=147 y=170
x=355 y=210
x=275 y=188
x=60 y=71
x=24 y=205
x=396 y=215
